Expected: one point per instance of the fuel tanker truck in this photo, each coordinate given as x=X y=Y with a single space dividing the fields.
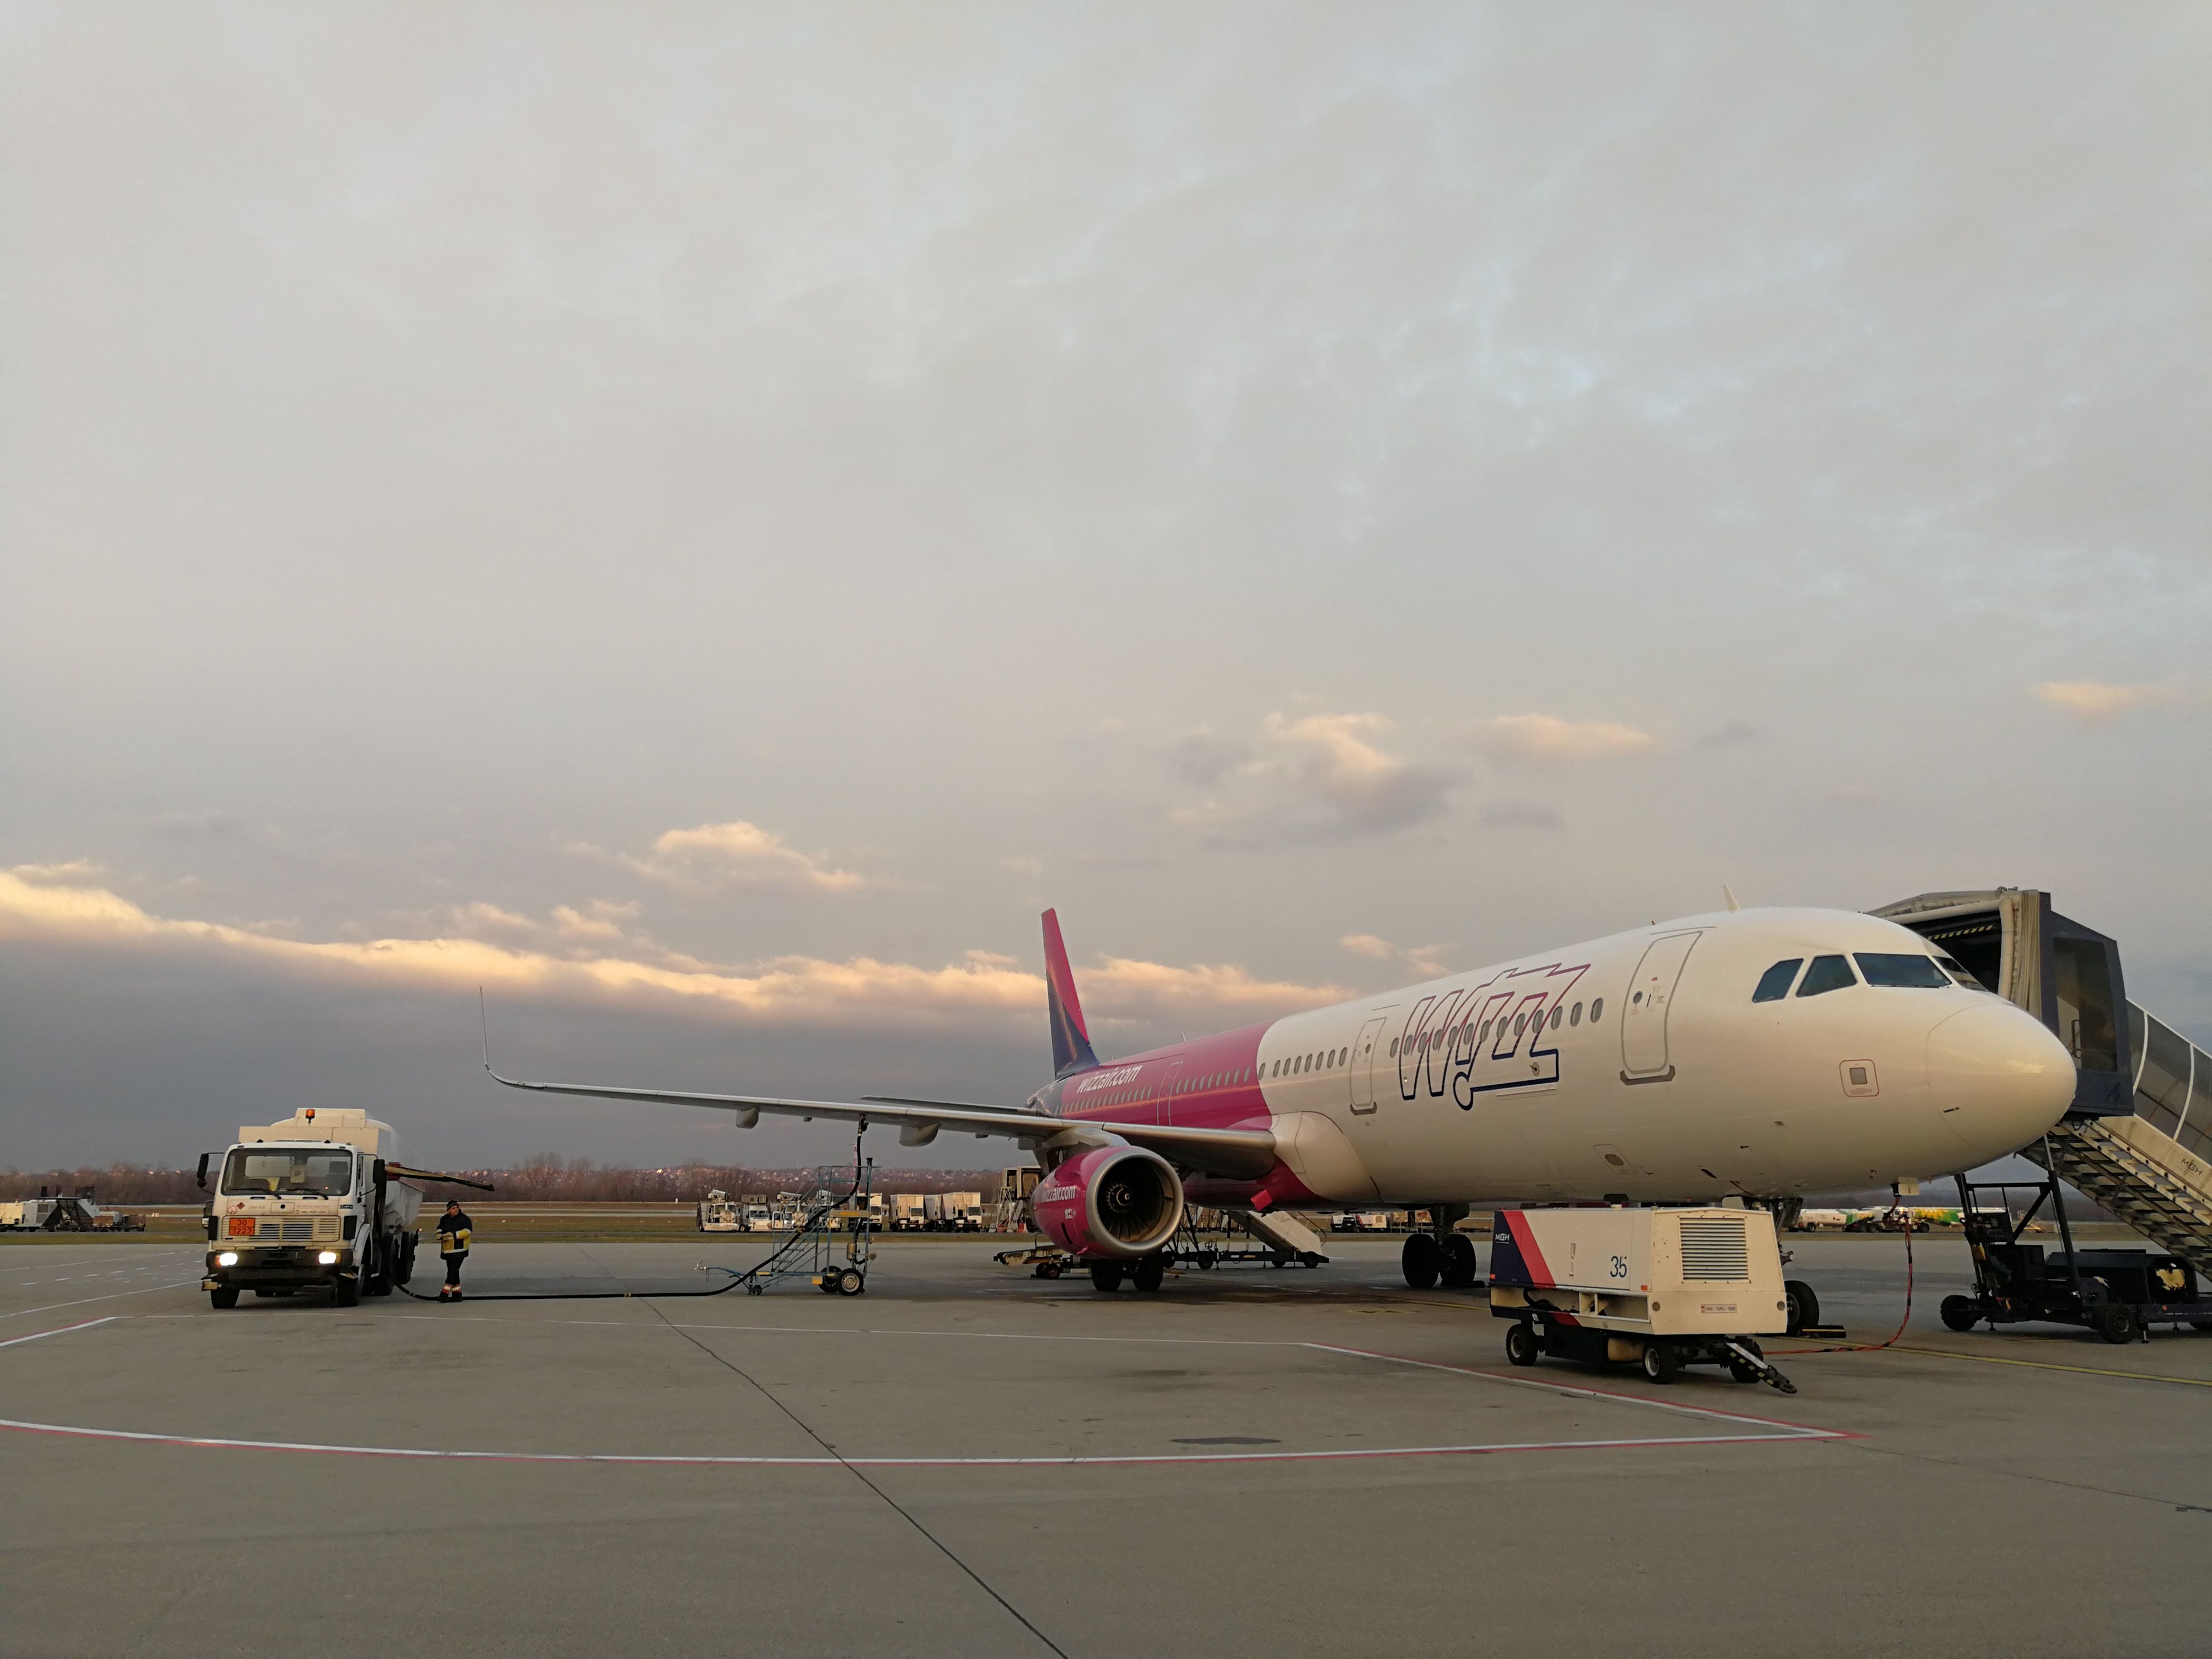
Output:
x=318 y=1201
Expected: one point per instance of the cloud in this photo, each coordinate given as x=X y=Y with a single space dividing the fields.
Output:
x=981 y=987
x=1520 y=815
x=1423 y=961
x=76 y=870
x=2093 y=703
x=1367 y=787
x=1204 y=758
x=1547 y=740
x=1730 y=735
x=742 y=855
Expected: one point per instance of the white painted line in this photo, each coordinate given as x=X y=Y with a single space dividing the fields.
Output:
x=145 y=1289
x=676 y=1460
x=1796 y=1430
x=63 y=1330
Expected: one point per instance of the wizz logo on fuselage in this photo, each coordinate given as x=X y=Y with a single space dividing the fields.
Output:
x=1488 y=1038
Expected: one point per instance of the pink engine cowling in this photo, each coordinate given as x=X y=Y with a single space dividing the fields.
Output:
x=1115 y=1202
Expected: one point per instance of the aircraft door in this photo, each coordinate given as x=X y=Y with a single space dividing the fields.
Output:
x=1644 y=1017
x=1361 y=1072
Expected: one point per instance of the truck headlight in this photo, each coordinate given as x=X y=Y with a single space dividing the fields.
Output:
x=227 y=1259
x=326 y=1258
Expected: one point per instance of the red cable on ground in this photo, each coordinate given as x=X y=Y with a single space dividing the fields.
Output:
x=1874 y=1347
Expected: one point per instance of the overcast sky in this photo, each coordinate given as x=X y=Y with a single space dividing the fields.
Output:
x=703 y=520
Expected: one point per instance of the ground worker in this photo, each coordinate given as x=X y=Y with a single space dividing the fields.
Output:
x=453 y=1245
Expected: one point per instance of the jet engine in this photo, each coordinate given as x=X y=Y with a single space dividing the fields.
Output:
x=1113 y=1202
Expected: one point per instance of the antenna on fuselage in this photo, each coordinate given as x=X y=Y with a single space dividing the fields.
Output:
x=1729 y=893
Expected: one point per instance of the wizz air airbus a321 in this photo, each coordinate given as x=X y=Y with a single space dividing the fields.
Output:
x=1765 y=1053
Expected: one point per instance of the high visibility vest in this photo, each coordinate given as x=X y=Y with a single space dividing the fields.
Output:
x=454 y=1244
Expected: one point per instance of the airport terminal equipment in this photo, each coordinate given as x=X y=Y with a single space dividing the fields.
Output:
x=317 y=1201
x=63 y=1212
x=2138 y=1137
x=1661 y=1288
x=719 y=1213
x=2118 y=1294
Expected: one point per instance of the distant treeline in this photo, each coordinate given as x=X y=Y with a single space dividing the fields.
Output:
x=543 y=1179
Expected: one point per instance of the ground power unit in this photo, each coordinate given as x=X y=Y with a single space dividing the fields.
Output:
x=1661 y=1288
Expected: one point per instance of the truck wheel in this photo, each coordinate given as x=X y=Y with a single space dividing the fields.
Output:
x=1804 y=1307
x=1958 y=1313
x=1421 y=1260
x=1460 y=1268
x=225 y=1297
x=1106 y=1275
x=1521 y=1347
x=403 y=1269
x=1661 y=1363
x=1151 y=1272
x=2115 y=1321
x=345 y=1292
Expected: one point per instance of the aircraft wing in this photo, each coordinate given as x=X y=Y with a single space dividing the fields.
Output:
x=1237 y=1153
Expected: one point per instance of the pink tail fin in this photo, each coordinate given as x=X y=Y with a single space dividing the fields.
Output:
x=1071 y=1039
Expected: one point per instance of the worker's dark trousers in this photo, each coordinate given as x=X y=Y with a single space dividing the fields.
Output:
x=454 y=1269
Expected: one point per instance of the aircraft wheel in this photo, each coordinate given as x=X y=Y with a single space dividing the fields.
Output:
x=1460 y=1268
x=1106 y=1275
x=1421 y=1260
x=1151 y=1272
x=1521 y=1347
x=1804 y=1306
x=225 y=1297
x=1958 y=1313
x=1661 y=1363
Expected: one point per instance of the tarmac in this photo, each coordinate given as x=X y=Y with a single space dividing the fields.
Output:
x=967 y=1460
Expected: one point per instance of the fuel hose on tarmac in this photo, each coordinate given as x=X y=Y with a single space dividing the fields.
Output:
x=754 y=1275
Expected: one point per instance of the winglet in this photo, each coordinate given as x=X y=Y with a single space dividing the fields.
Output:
x=484 y=1020
x=1071 y=1040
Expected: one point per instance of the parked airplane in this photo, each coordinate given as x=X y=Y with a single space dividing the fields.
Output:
x=1764 y=1054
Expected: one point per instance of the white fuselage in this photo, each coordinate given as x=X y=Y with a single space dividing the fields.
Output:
x=1637 y=1066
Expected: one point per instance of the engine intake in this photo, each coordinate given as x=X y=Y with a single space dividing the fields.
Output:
x=1117 y=1201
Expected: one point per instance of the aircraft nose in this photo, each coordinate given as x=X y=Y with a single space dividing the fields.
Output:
x=1998 y=1076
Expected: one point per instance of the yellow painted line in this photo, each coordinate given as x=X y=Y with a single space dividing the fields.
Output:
x=2046 y=1366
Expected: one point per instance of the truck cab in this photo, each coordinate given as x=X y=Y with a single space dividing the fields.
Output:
x=308 y=1204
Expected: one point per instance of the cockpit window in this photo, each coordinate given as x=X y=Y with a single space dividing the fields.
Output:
x=1827 y=973
x=1957 y=970
x=1918 y=972
x=1774 y=983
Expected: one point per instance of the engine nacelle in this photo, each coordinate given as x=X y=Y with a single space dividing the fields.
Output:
x=1115 y=1202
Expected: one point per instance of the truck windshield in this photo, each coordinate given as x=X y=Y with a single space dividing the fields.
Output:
x=251 y=1169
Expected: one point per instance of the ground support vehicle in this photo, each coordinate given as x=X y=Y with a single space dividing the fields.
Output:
x=718 y=1214
x=314 y=1202
x=62 y=1215
x=1663 y=1288
x=2118 y=1294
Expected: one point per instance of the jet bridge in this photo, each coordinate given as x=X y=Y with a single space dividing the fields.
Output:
x=2138 y=1137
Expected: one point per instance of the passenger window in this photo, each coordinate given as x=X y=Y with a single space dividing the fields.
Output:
x=1827 y=973
x=1597 y=1011
x=1394 y=1047
x=1774 y=983
x=1575 y=1017
x=1918 y=972
x=1556 y=1012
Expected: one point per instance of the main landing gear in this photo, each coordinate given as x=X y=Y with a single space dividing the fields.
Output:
x=1440 y=1254
x=1147 y=1273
